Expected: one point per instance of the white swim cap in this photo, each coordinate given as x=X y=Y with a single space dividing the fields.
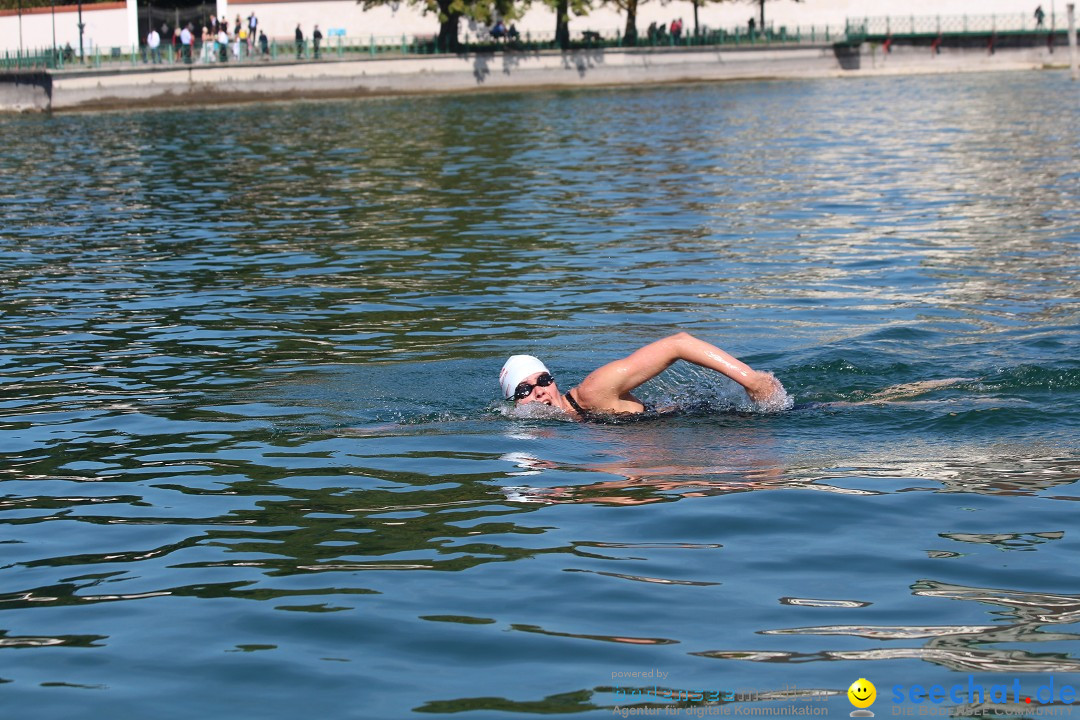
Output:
x=516 y=369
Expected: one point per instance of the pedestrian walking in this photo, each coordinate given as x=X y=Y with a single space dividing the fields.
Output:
x=185 y=43
x=153 y=41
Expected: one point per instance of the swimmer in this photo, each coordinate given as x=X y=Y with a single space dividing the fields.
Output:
x=524 y=379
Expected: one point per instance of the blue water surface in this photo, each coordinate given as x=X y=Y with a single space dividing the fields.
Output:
x=254 y=463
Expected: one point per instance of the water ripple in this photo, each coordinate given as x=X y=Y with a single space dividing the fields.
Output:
x=251 y=442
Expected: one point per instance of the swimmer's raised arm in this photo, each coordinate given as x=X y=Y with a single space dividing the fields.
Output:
x=610 y=385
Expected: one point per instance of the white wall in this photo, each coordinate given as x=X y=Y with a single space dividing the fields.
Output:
x=279 y=19
x=107 y=28
x=110 y=27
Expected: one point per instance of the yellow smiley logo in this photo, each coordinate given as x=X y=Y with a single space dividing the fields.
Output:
x=862 y=693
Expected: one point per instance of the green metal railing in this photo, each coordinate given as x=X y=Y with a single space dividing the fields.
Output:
x=31 y=59
x=933 y=26
x=339 y=47
x=664 y=38
x=166 y=55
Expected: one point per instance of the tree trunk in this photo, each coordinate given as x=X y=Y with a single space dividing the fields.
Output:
x=697 y=28
x=761 y=21
x=630 y=36
x=448 y=28
x=562 y=24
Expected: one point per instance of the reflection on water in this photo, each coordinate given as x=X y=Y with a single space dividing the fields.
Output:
x=985 y=473
x=251 y=440
x=957 y=647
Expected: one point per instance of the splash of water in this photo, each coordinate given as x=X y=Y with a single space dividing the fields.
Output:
x=531 y=411
x=689 y=389
x=778 y=401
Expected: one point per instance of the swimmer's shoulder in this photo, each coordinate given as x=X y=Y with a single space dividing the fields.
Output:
x=602 y=400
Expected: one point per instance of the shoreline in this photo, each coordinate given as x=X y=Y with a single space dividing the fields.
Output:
x=146 y=87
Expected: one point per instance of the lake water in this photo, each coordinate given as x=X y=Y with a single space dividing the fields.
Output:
x=255 y=463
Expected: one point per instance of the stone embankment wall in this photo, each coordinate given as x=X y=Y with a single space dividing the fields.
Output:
x=152 y=86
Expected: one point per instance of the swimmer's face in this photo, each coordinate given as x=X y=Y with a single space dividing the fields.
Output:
x=546 y=394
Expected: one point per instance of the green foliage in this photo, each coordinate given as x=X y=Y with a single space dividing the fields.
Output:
x=484 y=11
x=624 y=5
x=450 y=12
x=563 y=9
x=629 y=7
x=575 y=7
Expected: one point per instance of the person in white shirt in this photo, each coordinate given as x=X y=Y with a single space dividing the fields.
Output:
x=185 y=44
x=153 y=41
x=223 y=43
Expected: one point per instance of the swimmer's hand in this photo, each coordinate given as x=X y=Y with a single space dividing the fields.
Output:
x=764 y=388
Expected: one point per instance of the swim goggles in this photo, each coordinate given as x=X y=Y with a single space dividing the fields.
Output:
x=524 y=390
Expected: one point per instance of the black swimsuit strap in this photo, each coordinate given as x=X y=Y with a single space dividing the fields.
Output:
x=573 y=403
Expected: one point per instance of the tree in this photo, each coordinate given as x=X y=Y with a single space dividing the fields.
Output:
x=630 y=8
x=450 y=13
x=761 y=15
x=697 y=4
x=562 y=10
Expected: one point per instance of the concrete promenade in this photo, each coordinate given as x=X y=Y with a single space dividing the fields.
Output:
x=172 y=86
